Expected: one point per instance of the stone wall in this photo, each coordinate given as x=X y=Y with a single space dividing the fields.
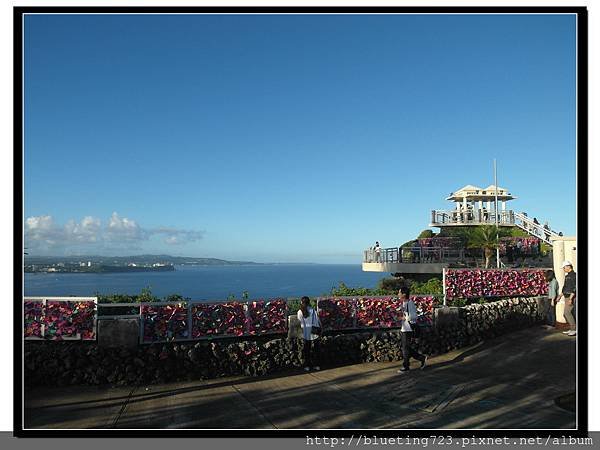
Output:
x=67 y=363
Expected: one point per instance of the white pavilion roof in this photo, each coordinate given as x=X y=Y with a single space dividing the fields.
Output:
x=491 y=188
x=476 y=193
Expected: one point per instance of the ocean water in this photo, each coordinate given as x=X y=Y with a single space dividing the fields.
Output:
x=208 y=282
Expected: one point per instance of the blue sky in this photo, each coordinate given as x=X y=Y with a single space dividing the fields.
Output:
x=288 y=138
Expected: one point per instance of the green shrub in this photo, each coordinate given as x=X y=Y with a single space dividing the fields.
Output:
x=391 y=285
x=144 y=296
x=457 y=302
x=425 y=234
x=293 y=305
x=147 y=296
x=344 y=291
x=116 y=298
x=431 y=286
x=175 y=298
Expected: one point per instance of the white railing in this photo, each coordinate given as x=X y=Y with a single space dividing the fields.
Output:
x=472 y=217
x=417 y=254
x=483 y=217
x=532 y=227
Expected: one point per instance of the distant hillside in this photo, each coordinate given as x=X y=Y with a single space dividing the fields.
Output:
x=136 y=259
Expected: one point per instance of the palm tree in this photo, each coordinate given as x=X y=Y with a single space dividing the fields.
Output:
x=485 y=237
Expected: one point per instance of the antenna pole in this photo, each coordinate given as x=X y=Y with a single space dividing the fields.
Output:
x=496 y=215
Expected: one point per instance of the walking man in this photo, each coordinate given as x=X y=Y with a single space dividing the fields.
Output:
x=569 y=292
x=409 y=325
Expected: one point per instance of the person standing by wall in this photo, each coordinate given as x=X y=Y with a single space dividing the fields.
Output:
x=409 y=325
x=569 y=292
x=309 y=321
x=519 y=248
x=553 y=296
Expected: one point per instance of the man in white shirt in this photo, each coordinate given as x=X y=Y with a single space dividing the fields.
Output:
x=407 y=332
x=377 y=249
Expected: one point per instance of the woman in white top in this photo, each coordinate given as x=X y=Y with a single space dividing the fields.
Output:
x=308 y=318
x=409 y=325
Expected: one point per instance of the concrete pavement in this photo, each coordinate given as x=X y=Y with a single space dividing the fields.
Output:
x=507 y=382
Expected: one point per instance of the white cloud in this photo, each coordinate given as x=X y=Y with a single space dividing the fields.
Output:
x=42 y=229
x=39 y=222
x=123 y=229
x=174 y=236
x=86 y=231
x=42 y=233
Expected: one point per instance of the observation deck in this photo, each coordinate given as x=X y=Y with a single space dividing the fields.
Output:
x=473 y=206
x=410 y=259
x=441 y=218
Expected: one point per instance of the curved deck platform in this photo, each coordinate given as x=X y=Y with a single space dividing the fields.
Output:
x=395 y=267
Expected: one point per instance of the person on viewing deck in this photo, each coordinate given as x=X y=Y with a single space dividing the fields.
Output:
x=409 y=325
x=569 y=292
x=377 y=252
x=553 y=296
x=308 y=319
x=546 y=231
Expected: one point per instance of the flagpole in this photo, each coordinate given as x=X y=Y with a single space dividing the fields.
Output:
x=496 y=215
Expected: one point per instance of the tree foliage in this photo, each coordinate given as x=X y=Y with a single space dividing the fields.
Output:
x=345 y=291
x=431 y=286
x=425 y=234
x=144 y=296
x=390 y=286
x=486 y=238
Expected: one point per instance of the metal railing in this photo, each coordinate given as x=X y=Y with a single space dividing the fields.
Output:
x=535 y=229
x=51 y=318
x=161 y=322
x=339 y=313
x=383 y=255
x=492 y=283
x=416 y=254
x=472 y=217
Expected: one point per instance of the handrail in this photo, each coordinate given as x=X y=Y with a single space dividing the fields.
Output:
x=472 y=217
x=484 y=217
x=538 y=230
x=414 y=254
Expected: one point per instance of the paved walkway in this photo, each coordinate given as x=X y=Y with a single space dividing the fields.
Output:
x=507 y=382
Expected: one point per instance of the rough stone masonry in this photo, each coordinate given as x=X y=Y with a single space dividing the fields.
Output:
x=78 y=362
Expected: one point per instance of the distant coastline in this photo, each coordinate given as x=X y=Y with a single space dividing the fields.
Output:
x=119 y=264
x=204 y=283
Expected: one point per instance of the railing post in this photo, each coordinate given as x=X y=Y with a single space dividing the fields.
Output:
x=189 y=318
x=43 y=319
x=142 y=321
x=444 y=283
x=246 y=309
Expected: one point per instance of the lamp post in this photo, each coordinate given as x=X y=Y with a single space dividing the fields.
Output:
x=496 y=215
